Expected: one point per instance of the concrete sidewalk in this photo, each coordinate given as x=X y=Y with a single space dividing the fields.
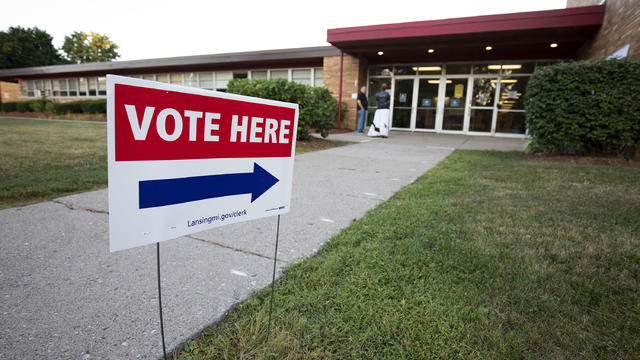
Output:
x=64 y=296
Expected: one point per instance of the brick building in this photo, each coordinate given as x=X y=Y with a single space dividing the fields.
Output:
x=461 y=75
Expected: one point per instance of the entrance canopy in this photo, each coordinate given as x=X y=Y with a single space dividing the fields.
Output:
x=550 y=34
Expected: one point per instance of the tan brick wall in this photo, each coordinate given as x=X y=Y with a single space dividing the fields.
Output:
x=621 y=26
x=354 y=75
x=9 y=92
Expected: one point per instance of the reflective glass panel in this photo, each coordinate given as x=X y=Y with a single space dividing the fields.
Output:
x=190 y=79
x=429 y=69
x=102 y=86
x=205 y=80
x=427 y=103
x=480 y=120
x=240 y=74
x=454 y=103
x=73 y=87
x=405 y=70
x=259 y=74
x=486 y=68
x=318 y=77
x=378 y=70
x=458 y=69
x=484 y=91
x=280 y=74
x=82 y=86
x=301 y=76
x=511 y=93
x=93 y=86
x=222 y=79
x=402 y=101
x=511 y=122
x=176 y=78
x=375 y=85
x=162 y=78
x=517 y=68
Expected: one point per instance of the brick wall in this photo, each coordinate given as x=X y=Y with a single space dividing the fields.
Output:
x=354 y=76
x=621 y=26
x=9 y=92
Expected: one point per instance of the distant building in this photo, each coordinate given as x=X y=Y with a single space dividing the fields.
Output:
x=461 y=75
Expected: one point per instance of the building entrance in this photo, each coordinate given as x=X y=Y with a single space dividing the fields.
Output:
x=474 y=99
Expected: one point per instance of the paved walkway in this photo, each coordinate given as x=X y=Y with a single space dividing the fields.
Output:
x=64 y=296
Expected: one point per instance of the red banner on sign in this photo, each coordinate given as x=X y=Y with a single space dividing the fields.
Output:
x=153 y=124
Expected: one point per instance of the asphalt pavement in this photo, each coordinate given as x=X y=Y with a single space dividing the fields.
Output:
x=65 y=296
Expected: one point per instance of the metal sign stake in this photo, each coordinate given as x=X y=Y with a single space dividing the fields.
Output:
x=164 y=349
x=273 y=278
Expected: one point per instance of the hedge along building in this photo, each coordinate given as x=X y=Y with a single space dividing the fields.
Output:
x=462 y=75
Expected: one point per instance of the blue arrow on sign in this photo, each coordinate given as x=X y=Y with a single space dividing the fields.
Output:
x=154 y=193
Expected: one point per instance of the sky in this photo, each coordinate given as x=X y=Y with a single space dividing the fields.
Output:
x=153 y=29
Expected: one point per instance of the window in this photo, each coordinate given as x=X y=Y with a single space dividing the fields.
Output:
x=176 y=78
x=458 y=69
x=280 y=74
x=511 y=93
x=148 y=77
x=301 y=76
x=82 y=86
x=380 y=70
x=93 y=86
x=31 y=88
x=102 y=86
x=205 y=80
x=64 y=87
x=55 y=91
x=262 y=74
x=162 y=78
x=240 y=74
x=404 y=70
x=73 y=87
x=190 y=79
x=318 y=77
x=222 y=78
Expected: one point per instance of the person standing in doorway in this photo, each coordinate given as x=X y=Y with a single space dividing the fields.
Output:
x=363 y=105
x=380 y=126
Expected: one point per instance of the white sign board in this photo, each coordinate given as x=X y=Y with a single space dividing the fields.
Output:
x=183 y=160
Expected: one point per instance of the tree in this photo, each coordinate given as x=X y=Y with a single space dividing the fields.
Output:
x=25 y=47
x=81 y=47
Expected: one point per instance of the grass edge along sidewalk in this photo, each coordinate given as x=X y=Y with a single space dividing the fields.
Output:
x=43 y=159
x=487 y=256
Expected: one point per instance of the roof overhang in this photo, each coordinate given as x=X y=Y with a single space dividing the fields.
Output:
x=299 y=57
x=525 y=35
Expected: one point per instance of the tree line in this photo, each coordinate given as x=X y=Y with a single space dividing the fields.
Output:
x=26 y=47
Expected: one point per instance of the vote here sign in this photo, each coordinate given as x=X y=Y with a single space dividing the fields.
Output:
x=183 y=160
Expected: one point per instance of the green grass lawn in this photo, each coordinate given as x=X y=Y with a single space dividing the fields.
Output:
x=41 y=160
x=488 y=256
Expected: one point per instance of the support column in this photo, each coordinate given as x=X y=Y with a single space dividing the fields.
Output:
x=353 y=76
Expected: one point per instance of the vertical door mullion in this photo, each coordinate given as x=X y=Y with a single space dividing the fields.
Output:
x=414 y=104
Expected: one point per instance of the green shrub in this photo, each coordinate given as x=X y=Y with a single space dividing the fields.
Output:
x=317 y=108
x=9 y=107
x=24 y=106
x=586 y=107
x=94 y=106
x=74 y=107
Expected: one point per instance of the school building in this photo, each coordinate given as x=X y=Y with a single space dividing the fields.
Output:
x=460 y=75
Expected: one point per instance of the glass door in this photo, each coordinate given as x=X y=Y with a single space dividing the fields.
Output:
x=482 y=103
x=402 y=103
x=454 y=104
x=427 y=104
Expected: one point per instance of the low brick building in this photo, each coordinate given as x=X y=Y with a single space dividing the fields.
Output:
x=461 y=75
